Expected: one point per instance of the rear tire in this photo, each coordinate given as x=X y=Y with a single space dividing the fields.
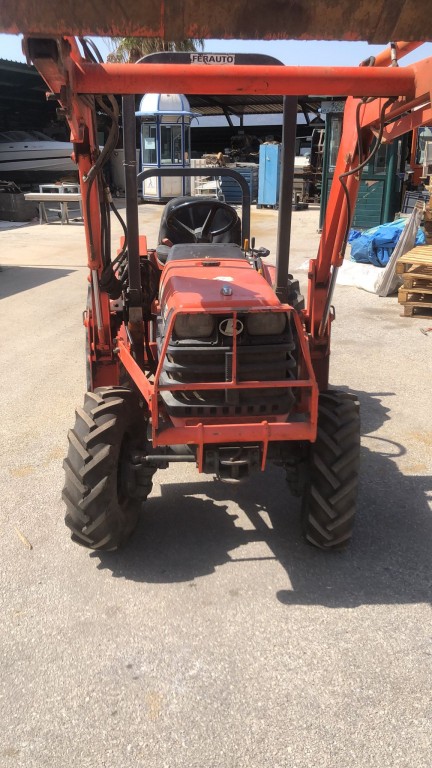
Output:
x=330 y=496
x=295 y=297
x=102 y=492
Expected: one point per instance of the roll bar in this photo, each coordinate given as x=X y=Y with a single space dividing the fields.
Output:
x=246 y=196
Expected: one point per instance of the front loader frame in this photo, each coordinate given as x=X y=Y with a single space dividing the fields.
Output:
x=237 y=429
x=72 y=80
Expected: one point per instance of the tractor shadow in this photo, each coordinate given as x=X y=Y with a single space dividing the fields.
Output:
x=17 y=279
x=197 y=526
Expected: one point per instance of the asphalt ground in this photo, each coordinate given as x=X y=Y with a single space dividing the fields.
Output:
x=217 y=638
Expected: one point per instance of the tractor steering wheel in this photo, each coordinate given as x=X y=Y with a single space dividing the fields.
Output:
x=204 y=233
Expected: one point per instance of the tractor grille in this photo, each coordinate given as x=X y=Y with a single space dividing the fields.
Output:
x=258 y=359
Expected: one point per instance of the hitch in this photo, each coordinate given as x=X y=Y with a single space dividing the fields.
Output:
x=232 y=464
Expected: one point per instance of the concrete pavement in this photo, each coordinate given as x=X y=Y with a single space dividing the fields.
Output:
x=216 y=638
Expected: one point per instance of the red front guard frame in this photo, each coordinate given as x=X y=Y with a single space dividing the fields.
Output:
x=230 y=430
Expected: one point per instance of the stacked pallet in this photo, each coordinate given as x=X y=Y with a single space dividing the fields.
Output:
x=415 y=269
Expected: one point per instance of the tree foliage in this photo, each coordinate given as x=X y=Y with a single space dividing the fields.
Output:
x=130 y=49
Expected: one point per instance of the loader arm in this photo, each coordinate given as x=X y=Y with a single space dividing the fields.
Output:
x=395 y=117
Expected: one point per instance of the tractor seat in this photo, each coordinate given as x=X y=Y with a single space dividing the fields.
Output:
x=199 y=220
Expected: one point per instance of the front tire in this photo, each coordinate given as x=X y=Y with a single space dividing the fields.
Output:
x=329 y=500
x=102 y=492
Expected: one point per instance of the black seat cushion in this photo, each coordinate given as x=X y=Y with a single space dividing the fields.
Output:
x=203 y=251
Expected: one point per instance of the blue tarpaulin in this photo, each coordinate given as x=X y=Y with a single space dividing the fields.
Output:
x=375 y=246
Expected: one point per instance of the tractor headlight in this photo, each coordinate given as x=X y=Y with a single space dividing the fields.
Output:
x=266 y=323
x=196 y=326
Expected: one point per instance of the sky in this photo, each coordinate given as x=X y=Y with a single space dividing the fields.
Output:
x=291 y=52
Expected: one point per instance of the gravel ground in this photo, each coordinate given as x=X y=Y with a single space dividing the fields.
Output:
x=216 y=638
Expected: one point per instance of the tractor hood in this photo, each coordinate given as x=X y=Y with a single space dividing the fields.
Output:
x=211 y=284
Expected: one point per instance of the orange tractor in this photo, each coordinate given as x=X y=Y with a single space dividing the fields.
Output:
x=197 y=350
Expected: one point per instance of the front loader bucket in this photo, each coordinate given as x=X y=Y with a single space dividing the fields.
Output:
x=376 y=21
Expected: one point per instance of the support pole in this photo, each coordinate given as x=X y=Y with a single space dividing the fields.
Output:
x=391 y=184
x=286 y=196
x=130 y=166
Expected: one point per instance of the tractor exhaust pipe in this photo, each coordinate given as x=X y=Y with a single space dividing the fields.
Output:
x=286 y=196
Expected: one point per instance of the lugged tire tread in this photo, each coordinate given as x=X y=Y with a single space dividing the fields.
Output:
x=109 y=407
x=85 y=417
x=100 y=520
x=331 y=444
x=92 y=467
x=323 y=503
x=345 y=489
x=81 y=450
x=97 y=516
x=88 y=500
x=73 y=509
x=345 y=460
x=329 y=475
x=73 y=478
x=341 y=520
x=92 y=398
x=100 y=434
x=329 y=499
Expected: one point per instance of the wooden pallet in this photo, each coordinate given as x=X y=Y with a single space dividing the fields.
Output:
x=415 y=298
x=419 y=258
x=415 y=269
x=417 y=281
x=417 y=310
x=412 y=273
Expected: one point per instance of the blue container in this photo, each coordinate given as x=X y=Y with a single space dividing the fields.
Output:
x=269 y=175
x=232 y=190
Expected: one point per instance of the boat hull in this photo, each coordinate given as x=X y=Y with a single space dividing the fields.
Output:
x=38 y=161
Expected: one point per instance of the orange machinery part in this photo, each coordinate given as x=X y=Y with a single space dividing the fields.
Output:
x=376 y=21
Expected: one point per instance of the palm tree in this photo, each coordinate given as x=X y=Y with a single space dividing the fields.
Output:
x=130 y=49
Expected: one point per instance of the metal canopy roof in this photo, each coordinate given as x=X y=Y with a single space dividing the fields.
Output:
x=22 y=92
x=23 y=103
x=376 y=21
x=19 y=82
x=245 y=105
